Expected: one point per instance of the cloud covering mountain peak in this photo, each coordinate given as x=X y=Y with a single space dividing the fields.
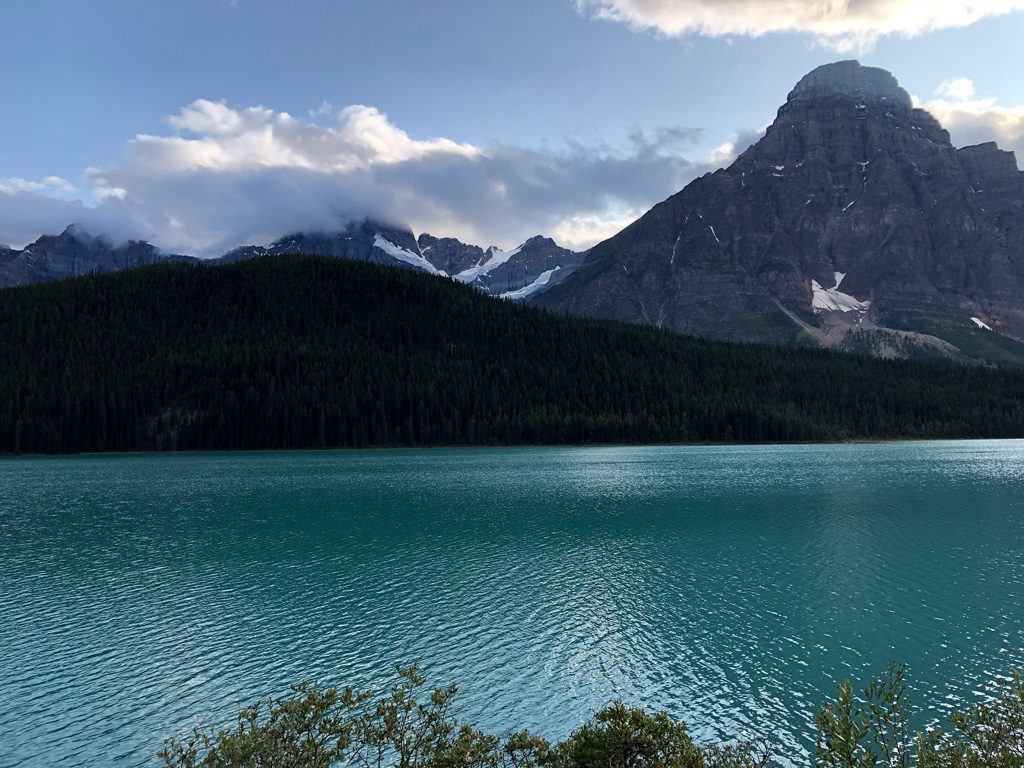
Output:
x=225 y=175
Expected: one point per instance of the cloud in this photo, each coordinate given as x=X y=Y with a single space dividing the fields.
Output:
x=959 y=88
x=581 y=232
x=27 y=214
x=970 y=120
x=840 y=24
x=725 y=153
x=224 y=176
x=52 y=186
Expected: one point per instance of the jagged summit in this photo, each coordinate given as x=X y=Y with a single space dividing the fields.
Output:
x=850 y=78
x=539 y=240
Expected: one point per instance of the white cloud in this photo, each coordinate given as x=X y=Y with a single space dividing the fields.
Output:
x=581 y=232
x=325 y=108
x=840 y=24
x=971 y=120
x=224 y=176
x=52 y=186
x=959 y=88
x=231 y=139
x=725 y=153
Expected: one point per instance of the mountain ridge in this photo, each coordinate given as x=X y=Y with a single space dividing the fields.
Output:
x=517 y=273
x=852 y=223
x=850 y=179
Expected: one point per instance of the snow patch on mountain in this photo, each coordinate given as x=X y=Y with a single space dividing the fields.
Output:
x=493 y=259
x=528 y=290
x=832 y=300
x=407 y=256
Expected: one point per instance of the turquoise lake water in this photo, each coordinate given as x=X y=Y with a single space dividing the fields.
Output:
x=732 y=586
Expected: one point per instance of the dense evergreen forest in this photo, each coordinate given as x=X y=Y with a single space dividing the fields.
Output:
x=297 y=352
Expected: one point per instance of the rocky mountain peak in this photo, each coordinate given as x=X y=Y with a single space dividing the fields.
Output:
x=448 y=253
x=851 y=79
x=844 y=114
x=72 y=232
x=538 y=241
x=853 y=223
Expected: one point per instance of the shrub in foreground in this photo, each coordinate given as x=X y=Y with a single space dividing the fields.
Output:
x=344 y=728
x=872 y=730
x=326 y=728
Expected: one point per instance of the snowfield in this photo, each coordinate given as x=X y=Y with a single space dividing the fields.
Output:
x=408 y=257
x=532 y=288
x=832 y=300
x=487 y=265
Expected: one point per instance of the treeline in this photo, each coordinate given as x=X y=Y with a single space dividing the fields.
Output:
x=298 y=352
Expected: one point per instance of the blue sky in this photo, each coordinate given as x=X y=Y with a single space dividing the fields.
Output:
x=489 y=120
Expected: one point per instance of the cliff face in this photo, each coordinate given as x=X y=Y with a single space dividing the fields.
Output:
x=852 y=213
x=448 y=254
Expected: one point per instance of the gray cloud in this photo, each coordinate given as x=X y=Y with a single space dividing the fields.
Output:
x=25 y=215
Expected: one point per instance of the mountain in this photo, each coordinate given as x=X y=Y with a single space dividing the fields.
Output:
x=852 y=223
x=73 y=253
x=303 y=351
x=365 y=241
x=450 y=255
x=523 y=271
x=515 y=274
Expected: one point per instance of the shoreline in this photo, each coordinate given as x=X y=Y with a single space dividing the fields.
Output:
x=509 y=446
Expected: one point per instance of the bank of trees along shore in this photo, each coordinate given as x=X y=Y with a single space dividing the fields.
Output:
x=305 y=352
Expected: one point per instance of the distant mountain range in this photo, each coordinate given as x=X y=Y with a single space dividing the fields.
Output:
x=515 y=274
x=853 y=223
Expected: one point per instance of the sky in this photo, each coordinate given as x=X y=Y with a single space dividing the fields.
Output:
x=200 y=125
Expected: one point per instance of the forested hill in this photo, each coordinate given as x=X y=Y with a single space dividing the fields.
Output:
x=295 y=351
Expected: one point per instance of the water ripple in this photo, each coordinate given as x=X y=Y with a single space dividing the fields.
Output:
x=730 y=585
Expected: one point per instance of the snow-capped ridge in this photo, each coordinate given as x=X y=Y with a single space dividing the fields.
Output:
x=493 y=271
x=407 y=256
x=493 y=258
x=528 y=290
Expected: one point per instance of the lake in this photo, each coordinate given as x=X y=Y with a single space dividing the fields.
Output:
x=733 y=586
